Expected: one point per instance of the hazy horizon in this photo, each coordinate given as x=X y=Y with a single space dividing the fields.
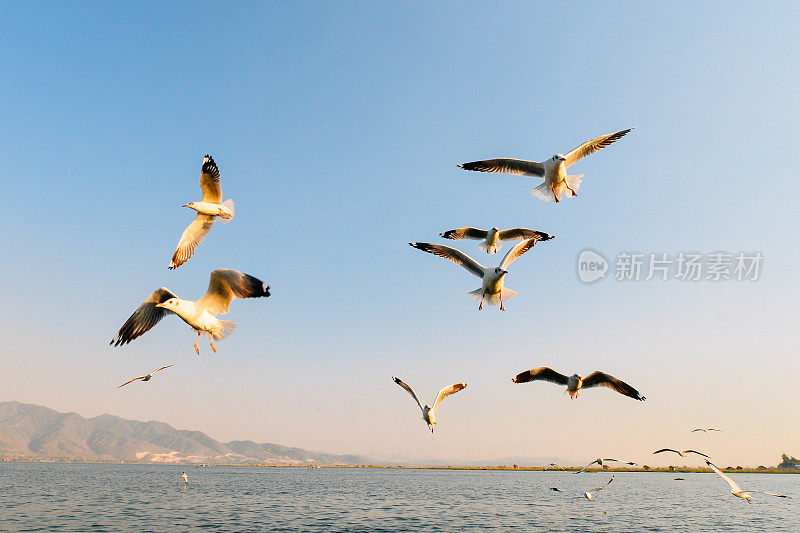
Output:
x=337 y=131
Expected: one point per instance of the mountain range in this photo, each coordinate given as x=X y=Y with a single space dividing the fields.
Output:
x=33 y=432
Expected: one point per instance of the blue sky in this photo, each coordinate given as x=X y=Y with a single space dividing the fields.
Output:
x=337 y=131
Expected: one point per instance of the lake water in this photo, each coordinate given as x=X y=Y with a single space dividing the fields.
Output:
x=78 y=497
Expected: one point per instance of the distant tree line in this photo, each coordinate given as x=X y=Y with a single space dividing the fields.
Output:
x=789 y=462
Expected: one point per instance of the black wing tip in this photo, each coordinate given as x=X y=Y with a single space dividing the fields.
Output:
x=396 y=380
x=209 y=166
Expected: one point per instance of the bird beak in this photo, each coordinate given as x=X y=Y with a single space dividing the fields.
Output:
x=505 y=271
x=160 y=305
x=185 y=205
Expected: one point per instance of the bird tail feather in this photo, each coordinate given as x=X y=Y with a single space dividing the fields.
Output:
x=489 y=249
x=574 y=182
x=229 y=205
x=491 y=299
x=543 y=192
x=226 y=327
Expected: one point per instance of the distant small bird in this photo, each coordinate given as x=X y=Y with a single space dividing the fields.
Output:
x=681 y=453
x=589 y=495
x=575 y=382
x=146 y=377
x=555 y=489
x=428 y=413
x=208 y=209
x=554 y=170
x=704 y=430
x=491 y=238
x=600 y=462
x=492 y=290
x=204 y=465
x=679 y=479
x=555 y=465
x=185 y=478
x=223 y=287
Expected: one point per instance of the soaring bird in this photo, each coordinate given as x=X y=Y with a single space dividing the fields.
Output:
x=554 y=170
x=146 y=377
x=556 y=465
x=681 y=453
x=492 y=290
x=589 y=495
x=704 y=430
x=600 y=462
x=208 y=209
x=491 y=238
x=223 y=287
x=736 y=490
x=429 y=413
x=575 y=382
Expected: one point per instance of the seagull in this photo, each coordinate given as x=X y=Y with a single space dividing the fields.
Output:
x=492 y=289
x=704 y=430
x=556 y=489
x=554 y=170
x=491 y=238
x=574 y=383
x=555 y=465
x=428 y=413
x=588 y=495
x=600 y=462
x=208 y=209
x=736 y=490
x=185 y=478
x=223 y=287
x=146 y=377
x=681 y=453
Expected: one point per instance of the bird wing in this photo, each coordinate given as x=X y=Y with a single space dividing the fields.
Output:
x=606 y=485
x=131 y=381
x=601 y=379
x=518 y=234
x=699 y=429
x=191 y=238
x=162 y=368
x=590 y=147
x=408 y=390
x=695 y=451
x=456 y=256
x=587 y=466
x=734 y=486
x=226 y=285
x=517 y=251
x=507 y=165
x=445 y=392
x=542 y=373
x=465 y=233
x=666 y=450
x=144 y=318
x=773 y=494
x=209 y=181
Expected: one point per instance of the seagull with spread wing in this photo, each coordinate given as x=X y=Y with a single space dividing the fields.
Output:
x=223 y=287
x=492 y=290
x=600 y=462
x=736 y=490
x=208 y=209
x=146 y=377
x=554 y=170
x=589 y=495
x=679 y=452
x=575 y=382
x=704 y=430
x=491 y=238
x=429 y=413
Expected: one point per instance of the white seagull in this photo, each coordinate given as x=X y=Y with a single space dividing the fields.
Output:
x=555 y=465
x=492 y=290
x=681 y=453
x=736 y=490
x=185 y=478
x=208 y=209
x=429 y=413
x=146 y=377
x=575 y=382
x=491 y=238
x=554 y=170
x=589 y=495
x=223 y=287
x=600 y=462
x=704 y=430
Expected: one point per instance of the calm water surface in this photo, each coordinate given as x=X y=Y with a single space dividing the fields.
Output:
x=76 y=497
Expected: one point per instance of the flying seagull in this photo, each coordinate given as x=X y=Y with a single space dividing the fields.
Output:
x=589 y=495
x=146 y=377
x=492 y=290
x=554 y=170
x=491 y=238
x=555 y=465
x=223 y=288
x=208 y=209
x=681 y=453
x=574 y=382
x=736 y=490
x=428 y=413
x=704 y=430
x=185 y=478
x=600 y=462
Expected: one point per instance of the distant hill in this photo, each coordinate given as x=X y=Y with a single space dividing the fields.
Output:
x=33 y=432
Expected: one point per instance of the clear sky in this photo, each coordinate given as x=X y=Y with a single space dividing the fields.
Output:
x=337 y=131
